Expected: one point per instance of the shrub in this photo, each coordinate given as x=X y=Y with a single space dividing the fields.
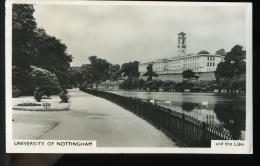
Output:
x=38 y=93
x=64 y=91
x=45 y=80
x=15 y=92
x=28 y=79
x=64 y=97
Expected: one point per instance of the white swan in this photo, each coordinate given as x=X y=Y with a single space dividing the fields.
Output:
x=152 y=101
x=205 y=103
x=169 y=102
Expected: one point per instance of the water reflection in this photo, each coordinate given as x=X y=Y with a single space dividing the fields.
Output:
x=225 y=111
x=224 y=116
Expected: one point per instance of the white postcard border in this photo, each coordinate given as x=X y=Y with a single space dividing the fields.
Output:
x=10 y=148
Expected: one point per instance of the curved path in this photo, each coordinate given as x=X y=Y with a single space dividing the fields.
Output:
x=94 y=118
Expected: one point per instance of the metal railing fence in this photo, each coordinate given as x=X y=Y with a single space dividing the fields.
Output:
x=188 y=131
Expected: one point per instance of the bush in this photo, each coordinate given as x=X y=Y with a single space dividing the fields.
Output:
x=27 y=80
x=15 y=92
x=64 y=97
x=45 y=80
x=153 y=85
x=64 y=91
x=38 y=93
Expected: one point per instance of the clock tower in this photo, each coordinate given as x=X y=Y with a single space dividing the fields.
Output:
x=181 y=44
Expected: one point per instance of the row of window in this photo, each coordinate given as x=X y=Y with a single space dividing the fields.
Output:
x=191 y=64
x=167 y=71
x=210 y=64
x=211 y=58
x=190 y=60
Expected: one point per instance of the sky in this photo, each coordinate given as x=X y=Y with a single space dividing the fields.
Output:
x=122 y=34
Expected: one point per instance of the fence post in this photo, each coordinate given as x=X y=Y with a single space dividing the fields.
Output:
x=203 y=140
x=130 y=104
x=183 y=128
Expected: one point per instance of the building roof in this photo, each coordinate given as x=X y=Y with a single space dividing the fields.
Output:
x=182 y=33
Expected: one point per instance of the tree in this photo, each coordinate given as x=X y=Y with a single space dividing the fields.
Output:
x=168 y=85
x=130 y=69
x=188 y=74
x=221 y=52
x=100 y=68
x=32 y=46
x=52 y=55
x=27 y=80
x=203 y=52
x=150 y=73
x=87 y=73
x=233 y=65
x=23 y=35
x=75 y=76
x=114 y=72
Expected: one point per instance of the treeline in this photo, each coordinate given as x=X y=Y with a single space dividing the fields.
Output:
x=32 y=46
x=99 y=70
x=193 y=86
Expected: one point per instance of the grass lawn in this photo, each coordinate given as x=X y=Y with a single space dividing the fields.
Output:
x=31 y=122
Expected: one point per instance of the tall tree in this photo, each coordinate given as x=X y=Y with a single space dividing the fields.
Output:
x=23 y=35
x=52 y=55
x=114 y=72
x=100 y=68
x=75 y=76
x=87 y=73
x=130 y=69
x=150 y=73
x=233 y=65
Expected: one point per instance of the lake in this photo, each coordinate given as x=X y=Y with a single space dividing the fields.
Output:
x=226 y=111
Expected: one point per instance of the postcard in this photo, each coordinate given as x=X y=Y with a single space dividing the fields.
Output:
x=128 y=77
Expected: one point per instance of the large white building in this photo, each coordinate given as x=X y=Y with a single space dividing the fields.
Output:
x=198 y=63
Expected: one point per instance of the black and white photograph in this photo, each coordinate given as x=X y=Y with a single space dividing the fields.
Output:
x=127 y=77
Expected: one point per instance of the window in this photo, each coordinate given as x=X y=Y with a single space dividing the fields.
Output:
x=213 y=64
x=208 y=64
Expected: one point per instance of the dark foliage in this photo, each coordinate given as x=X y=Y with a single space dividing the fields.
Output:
x=38 y=93
x=99 y=69
x=130 y=69
x=204 y=52
x=150 y=73
x=15 y=92
x=64 y=97
x=23 y=35
x=32 y=46
x=188 y=74
x=132 y=83
x=233 y=65
x=28 y=104
x=27 y=80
